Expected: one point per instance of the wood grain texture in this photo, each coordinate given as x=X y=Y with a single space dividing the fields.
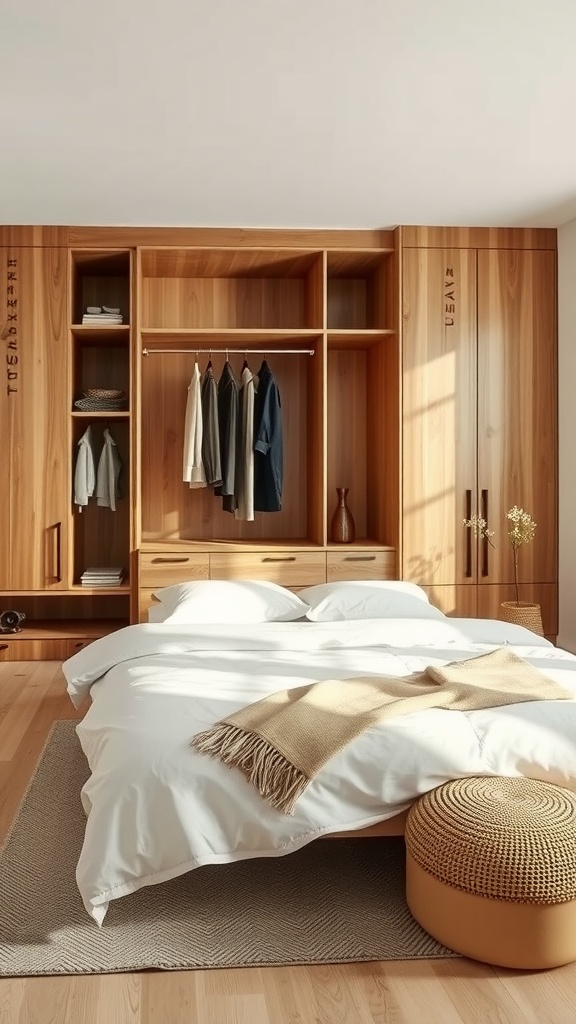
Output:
x=34 y=462
x=170 y=509
x=235 y=237
x=33 y=235
x=484 y=238
x=451 y=991
x=439 y=412
x=517 y=406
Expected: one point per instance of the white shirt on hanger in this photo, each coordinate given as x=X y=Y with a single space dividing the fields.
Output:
x=109 y=467
x=84 y=470
x=193 y=467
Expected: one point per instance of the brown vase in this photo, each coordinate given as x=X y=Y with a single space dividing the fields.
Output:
x=342 y=529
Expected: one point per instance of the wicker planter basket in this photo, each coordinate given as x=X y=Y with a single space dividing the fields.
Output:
x=523 y=614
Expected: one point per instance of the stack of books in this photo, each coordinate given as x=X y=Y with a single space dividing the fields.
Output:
x=104 y=316
x=108 y=576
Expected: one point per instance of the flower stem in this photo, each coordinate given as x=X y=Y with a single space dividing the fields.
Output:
x=516 y=575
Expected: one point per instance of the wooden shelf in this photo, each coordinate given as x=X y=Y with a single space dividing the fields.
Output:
x=116 y=334
x=112 y=415
x=77 y=588
x=53 y=629
x=198 y=262
x=231 y=338
x=357 y=339
x=356 y=262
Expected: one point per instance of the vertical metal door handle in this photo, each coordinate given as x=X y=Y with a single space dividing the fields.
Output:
x=468 y=571
x=58 y=552
x=484 y=514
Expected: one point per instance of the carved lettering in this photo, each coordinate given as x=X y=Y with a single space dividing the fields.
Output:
x=449 y=297
x=10 y=333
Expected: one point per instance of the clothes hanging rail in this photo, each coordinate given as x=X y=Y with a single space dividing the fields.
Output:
x=222 y=348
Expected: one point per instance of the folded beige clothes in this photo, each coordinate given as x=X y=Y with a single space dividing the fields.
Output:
x=280 y=743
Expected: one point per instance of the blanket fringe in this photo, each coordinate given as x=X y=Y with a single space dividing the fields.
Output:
x=275 y=778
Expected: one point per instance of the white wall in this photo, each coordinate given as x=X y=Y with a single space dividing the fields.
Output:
x=567 y=433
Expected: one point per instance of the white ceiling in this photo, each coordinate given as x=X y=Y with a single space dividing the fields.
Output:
x=288 y=113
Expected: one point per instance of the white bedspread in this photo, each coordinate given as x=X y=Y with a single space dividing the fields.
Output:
x=156 y=808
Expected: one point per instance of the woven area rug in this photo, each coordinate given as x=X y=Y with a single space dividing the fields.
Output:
x=335 y=901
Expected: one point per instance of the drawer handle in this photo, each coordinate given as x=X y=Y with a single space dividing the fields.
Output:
x=286 y=558
x=360 y=558
x=169 y=561
x=3 y=647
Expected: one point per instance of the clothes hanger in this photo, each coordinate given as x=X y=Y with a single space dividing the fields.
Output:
x=245 y=363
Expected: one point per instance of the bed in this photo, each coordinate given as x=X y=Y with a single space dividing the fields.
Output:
x=157 y=808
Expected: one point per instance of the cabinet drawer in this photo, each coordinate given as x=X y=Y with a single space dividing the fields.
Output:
x=163 y=568
x=288 y=568
x=35 y=650
x=360 y=565
x=77 y=644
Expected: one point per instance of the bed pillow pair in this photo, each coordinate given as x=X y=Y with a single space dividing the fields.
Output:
x=253 y=601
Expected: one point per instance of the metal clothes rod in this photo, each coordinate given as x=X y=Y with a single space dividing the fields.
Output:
x=235 y=348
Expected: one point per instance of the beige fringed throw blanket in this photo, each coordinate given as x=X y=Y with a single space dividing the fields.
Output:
x=281 y=742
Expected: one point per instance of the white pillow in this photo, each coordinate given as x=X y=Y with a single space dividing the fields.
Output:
x=230 y=602
x=368 y=599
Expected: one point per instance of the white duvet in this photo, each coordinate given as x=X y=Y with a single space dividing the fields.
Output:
x=156 y=808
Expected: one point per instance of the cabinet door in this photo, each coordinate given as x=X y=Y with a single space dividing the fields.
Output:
x=517 y=407
x=439 y=415
x=34 y=418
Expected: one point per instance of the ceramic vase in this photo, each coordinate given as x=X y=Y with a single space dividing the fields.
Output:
x=342 y=528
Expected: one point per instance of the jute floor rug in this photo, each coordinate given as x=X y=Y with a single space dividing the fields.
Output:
x=335 y=901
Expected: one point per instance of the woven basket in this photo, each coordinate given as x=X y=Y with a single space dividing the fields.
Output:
x=103 y=393
x=523 y=614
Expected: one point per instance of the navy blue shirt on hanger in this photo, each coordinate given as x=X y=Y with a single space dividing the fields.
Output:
x=268 y=452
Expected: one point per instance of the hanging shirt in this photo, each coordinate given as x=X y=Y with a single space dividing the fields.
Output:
x=268 y=454
x=227 y=423
x=210 y=431
x=109 y=467
x=193 y=467
x=244 y=482
x=84 y=470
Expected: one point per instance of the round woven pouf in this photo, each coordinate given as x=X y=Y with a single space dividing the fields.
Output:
x=491 y=870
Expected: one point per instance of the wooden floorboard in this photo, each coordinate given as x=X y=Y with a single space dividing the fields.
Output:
x=32 y=698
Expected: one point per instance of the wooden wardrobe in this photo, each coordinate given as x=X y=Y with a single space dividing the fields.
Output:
x=479 y=424
x=417 y=416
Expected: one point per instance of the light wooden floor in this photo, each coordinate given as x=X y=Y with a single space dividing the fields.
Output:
x=32 y=696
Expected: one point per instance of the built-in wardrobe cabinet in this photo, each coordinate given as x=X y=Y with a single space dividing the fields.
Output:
x=416 y=367
x=479 y=416
x=326 y=322
x=50 y=358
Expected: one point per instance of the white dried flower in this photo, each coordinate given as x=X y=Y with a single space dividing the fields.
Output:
x=479 y=526
x=523 y=526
